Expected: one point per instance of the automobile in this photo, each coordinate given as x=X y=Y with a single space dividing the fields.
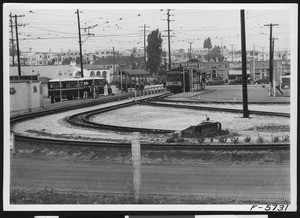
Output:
x=239 y=80
x=262 y=81
x=216 y=81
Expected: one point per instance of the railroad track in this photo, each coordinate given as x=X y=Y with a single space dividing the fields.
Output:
x=162 y=103
x=82 y=119
x=263 y=146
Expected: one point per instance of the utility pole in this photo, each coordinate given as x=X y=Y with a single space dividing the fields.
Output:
x=274 y=75
x=80 y=47
x=253 y=74
x=263 y=52
x=169 y=43
x=17 y=39
x=232 y=52
x=191 y=50
x=271 y=60
x=12 y=40
x=145 y=53
x=221 y=45
x=113 y=60
x=244 y=66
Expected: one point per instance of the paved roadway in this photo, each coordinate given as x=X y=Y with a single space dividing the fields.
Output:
x=232 y=93
x=268 y=182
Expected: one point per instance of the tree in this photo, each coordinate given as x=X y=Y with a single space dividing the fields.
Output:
x=214 y=54
x=154 y=51
x=207 y=43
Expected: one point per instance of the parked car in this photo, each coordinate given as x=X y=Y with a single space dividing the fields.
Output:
x=262 y=81
x=239 y=80
x=216 y=81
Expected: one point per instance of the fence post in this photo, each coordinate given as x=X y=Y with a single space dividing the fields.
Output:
x=136 y=162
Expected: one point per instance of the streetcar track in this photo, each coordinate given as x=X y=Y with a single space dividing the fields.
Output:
x=82 y=120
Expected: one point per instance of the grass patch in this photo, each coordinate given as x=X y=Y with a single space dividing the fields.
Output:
x=24 y=196
x=271 y=128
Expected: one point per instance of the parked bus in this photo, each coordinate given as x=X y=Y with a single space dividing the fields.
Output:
x=73 y=88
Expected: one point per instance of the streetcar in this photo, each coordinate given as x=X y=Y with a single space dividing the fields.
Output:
x=72 y=88
x=180 y=80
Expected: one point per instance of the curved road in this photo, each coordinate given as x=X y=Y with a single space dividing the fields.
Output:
x=267 y=182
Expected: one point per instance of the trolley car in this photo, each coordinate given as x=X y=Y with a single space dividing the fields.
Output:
x=73 y=88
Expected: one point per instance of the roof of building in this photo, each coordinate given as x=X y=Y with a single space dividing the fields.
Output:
x=92 y=67
x=50 y=71
x=111 y=60
x=135 y=72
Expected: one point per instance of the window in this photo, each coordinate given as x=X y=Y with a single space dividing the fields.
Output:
x=98 y=73
x=34 y=89
x=92 y=74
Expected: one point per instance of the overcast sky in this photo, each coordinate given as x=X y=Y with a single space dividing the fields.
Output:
x=121 y=26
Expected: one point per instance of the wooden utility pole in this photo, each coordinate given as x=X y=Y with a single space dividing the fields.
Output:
x=80 y=46
x=244 y=66
x=12 y=40
x=253 y=75
x=17 y=39
x=191 y=49
x=113 y=60
x=232 y=52
x=169 y=43
x=271 y=60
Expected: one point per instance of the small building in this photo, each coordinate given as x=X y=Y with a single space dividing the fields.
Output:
x=26 y=94
x=93 y=71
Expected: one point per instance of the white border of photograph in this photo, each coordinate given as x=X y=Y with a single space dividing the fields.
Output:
x=293 y=8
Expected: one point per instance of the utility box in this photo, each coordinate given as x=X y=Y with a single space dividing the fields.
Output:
x=201 y=129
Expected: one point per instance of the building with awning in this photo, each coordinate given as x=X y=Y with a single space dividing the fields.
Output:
x=131 y=78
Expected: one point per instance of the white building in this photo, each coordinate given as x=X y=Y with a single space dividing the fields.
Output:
x=26 y=95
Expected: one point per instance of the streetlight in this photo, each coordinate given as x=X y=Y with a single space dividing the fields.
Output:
x=60 y=94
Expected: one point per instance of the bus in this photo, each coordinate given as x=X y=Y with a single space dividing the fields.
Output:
x=72 y=88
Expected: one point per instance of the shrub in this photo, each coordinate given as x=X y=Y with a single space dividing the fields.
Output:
x=275 y=139
x=175 y=135
x=222 y=139
x=260 y=139
x=247 y=139
x=180 y=140
x=200 y=139
x=286 y=138
x=170 y=140
x=234 y=140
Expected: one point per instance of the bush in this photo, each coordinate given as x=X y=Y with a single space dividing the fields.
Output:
x=222 y=139
x=260 y=139
x=200 y=139
x=170 y=140
x=180 y=140
x=275 y=139
x=247 y=139
x=234 y=140
x=286 y=138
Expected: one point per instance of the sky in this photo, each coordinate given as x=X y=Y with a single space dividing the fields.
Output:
x=121 y=26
